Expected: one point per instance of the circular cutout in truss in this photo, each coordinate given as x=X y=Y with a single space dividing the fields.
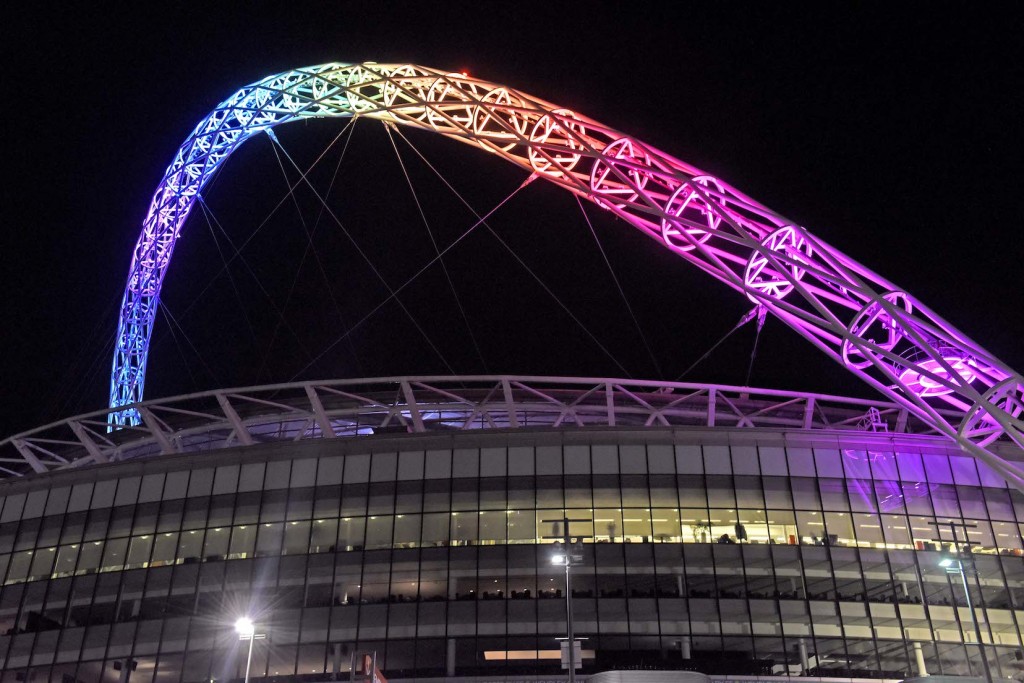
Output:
x=915 y=379
x=791 y=249
x=362 y=88
x=500 y=117
x=981 y=425
x=556 y=145
x=696 y=220
x=620 y=181
x=404 y=87
x=453 y=109
x=873 y=320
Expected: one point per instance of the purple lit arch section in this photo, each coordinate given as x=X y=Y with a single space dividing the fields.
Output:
x=864 y=322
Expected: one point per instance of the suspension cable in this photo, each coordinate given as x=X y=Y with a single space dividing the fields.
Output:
x=762 y=314
x=238 y=250
x=231 y=278
x=256 y=279
x=746 y=318
x=622 y=292
x=415 y=275
x=372 y=266
x=437 y=251
x=177 y=345
x=175 y=323
x=521 y=262
x=310 y=245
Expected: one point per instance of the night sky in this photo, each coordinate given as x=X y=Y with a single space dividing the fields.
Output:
x=895 y=137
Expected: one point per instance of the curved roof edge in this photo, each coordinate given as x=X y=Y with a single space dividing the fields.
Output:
x=228 y=418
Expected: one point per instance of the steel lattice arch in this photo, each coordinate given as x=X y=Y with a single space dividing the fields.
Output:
x=875 y=329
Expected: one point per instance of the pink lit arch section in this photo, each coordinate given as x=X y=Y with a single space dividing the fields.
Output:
x=861 y=320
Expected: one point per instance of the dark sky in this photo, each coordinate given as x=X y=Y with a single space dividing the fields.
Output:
x=895 y=136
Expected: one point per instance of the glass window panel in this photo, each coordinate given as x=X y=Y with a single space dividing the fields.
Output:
x=801 y=462
x=407 y=531
x=435 y=529
x=782 y=527
x=273 y=506
x=463 y=528
x=243 y=541
x=972 y=502
x=744 y=460
x=57 y=502
x=661 y=459
x=833 y=494
x=855 y=462
x=300 y=504
x=323 y=536
x=720 y=491
x=981 y=535
x=633 y=459
x=605 y=458
x=522 y=526
x=577 y=459
x=751 y=526
x=190 y=545
x=42 y=563
x=89 y=556
x=636 y=525
x=828 y=462
x=139 y=550
x=923 y=532
x=862 y=495
x=716 y=460
x=936 y=466
x=998 y=504
x=493 y=526
x=811 y=527
x=944 y=500
x=689 y=460
x=67 y=557
x=666 y=525
x=296 y=538
x=607 y=526
x=439 y=464
x=805 y=493
x=776 y=492
x=268 y=539
x=351 y=533
x=749 y=492
x=164 y=547
x=1007 y=536
x=910 y=466
x=216 y=543
x=896 y=531
x=840 y=528
x=114 y=553
x=868 y=528
x=383 y=466
x=74 y=527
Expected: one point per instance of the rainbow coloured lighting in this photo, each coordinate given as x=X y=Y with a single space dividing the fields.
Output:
x=882 y=334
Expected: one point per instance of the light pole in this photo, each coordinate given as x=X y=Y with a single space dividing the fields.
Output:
x=567 y=559
x=247 y=631
x=953 y=563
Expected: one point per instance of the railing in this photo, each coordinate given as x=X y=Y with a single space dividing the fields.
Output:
x=228 y=418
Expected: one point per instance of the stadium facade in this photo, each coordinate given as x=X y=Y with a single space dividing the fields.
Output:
x=725 y=530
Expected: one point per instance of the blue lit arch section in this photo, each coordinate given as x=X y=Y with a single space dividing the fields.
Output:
x=875 y=329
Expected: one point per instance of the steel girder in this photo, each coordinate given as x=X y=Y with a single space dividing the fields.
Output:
x=866 y=323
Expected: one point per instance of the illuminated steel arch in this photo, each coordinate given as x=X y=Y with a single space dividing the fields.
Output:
x=879 y=332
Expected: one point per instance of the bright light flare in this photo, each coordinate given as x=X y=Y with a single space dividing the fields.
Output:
x=245 y=627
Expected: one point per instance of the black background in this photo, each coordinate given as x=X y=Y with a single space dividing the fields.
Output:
x=895 y=133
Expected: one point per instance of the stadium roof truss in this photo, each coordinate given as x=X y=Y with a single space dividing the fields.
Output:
x=229 y=418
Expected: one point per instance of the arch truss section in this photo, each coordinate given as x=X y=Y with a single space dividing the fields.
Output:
x=861 y=320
